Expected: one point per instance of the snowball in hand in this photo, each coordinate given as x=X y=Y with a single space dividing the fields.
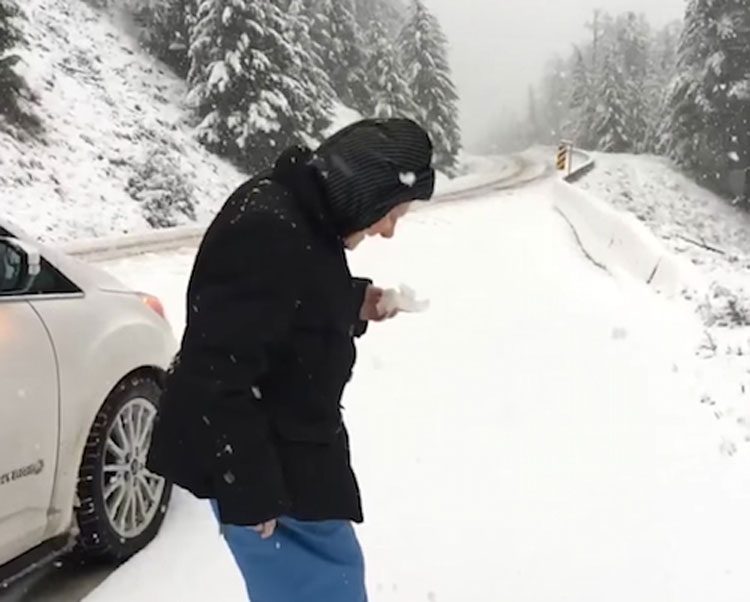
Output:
x=404 y=299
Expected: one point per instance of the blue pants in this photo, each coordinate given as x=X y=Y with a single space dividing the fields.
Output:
x=302 y=562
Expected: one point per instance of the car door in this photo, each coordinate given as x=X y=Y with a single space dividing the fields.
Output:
x=29 y=414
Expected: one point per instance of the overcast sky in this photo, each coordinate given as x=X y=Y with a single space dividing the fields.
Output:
x=499 y=47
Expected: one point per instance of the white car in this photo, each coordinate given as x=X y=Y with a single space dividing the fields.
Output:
x=82 y=361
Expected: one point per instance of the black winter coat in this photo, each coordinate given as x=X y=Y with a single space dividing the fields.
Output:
x=251 y=413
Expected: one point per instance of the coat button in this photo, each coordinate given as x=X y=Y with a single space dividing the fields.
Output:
x=351 y=330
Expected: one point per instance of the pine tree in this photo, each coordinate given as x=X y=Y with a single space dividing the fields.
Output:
x=339 y=44
x=424 y=50
x=10 y=36
x=597 y=32
x=534 y=130
x=632 y=49
x=555 y=90
x=243 y=82
x=680 y=137
x=709 y=103
x=317 y=110
x=727 y=83
x=14 y=93
x=662 y=67
x=610 y=128
x=583 y=101
x=387 y=13
x=610 y=93
x=391 y=95
x=165 y=29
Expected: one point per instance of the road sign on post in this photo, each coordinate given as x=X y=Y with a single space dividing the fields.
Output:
x=562 y=156
x=565 y=156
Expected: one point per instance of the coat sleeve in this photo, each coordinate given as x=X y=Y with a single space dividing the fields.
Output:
x=359 y=327
x=243 y=310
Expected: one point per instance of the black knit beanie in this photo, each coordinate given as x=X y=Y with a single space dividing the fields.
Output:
x=371 y=167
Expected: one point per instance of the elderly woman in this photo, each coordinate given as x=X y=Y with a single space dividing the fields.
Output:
x=251 y=415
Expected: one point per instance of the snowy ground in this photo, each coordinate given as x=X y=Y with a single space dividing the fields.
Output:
x=537 y=435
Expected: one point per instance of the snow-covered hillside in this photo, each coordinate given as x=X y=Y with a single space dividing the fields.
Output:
x=108 y=110
x=540 y=434
x=116 y=129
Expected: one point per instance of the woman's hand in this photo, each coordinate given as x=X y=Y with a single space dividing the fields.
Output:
x=369 y=311
x=266 y=529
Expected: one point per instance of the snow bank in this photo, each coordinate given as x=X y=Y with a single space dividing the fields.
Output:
x=681 y=213
x=617 y=241
x=110 y=247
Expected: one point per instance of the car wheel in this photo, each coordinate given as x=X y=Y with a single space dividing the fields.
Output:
x=121 y=504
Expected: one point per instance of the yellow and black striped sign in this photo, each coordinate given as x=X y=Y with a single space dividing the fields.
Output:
x=562 y=157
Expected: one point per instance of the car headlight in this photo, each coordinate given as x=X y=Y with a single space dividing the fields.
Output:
x=154 y=303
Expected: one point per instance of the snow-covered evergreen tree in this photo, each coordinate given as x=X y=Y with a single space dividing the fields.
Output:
x=534 y=130
x=340 y=45
x=317 y=103
x=164 y=191
x=598 y=24
x=706 y=131
x=624 y=65
x=583 y=102
x=424 y=51
x=14 y=93
x=391 y=96
x=555 y=91
x=681 y=138
x=388 y=13
x=10 y=35
x=632 y=50
x=306 y=87
x=165 y=29
x=662 y=67
x=610 y=128
x=244 y=82
x=664 y=50
x=727 y=83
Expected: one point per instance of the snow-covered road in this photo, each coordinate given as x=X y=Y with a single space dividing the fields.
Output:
x=536 y=436
x=484 y=174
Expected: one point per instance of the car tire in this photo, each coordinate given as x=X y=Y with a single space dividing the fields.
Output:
x=121 y=504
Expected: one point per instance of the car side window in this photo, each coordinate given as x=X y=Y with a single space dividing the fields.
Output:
x=11 y=264
x=49 y=281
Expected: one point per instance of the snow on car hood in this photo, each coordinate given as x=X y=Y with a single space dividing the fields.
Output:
x=86 y=275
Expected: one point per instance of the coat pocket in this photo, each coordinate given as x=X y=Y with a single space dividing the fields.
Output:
x=318 y=434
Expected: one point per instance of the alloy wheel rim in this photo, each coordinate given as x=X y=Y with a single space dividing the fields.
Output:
x=132 y=494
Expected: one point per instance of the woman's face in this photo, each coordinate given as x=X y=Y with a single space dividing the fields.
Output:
x=386 y=227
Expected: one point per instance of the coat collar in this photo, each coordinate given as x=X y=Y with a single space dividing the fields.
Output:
x=295 y=171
